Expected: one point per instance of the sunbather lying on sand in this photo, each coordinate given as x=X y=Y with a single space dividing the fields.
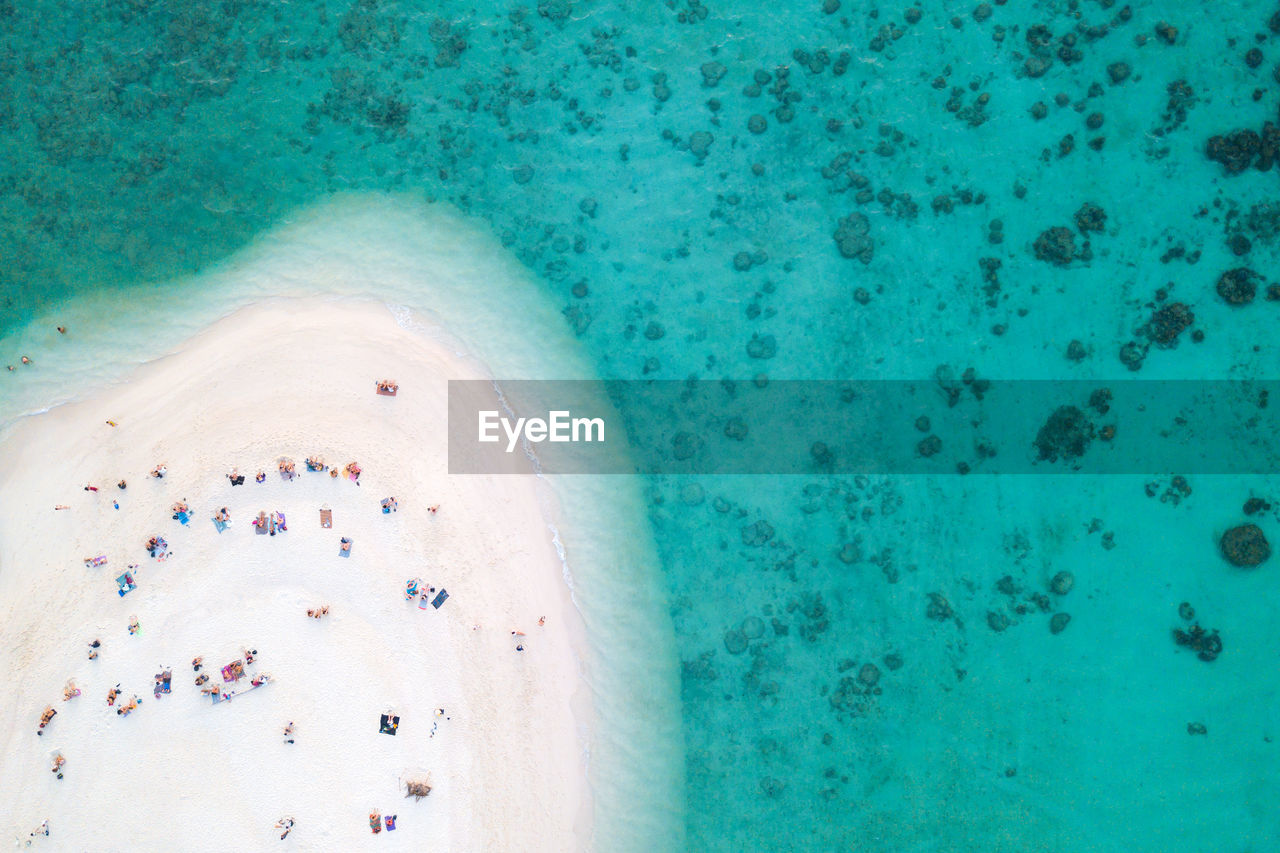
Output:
x=159 y=471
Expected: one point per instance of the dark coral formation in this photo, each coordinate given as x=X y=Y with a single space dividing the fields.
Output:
x=1206 y=644
x=1238 y=286
x=1169 y=322
x=1056 y=245
x=1245 y=546
x=853 y=238
x=1090 y=217
x=1066 y=435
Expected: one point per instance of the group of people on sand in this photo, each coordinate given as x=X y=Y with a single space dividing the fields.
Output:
x=318 y=612
x=288 y=470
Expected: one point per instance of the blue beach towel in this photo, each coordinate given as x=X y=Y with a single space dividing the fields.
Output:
x=441 y=597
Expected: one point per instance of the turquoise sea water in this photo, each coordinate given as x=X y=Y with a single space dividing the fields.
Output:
x=612 y=149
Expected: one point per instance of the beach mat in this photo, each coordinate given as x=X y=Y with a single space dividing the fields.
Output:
x=346 y=553
x=390 y=821
x=182 y=517
x=220 y=525
x=326 y=519
x=423 y=600
x=125 y=584
x=389 y=724
x=441 y=598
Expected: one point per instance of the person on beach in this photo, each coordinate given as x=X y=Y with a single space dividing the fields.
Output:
x=180 y=507
x=62 y=330
x=236 y=478
x=542 y=620
x=196 y=663
x=222 y=515
x=285 y=823
x=122 y=485
x=288 y=732
x=202 y=678
x=58 y=761
x=333 y=473
x=433 y=509
x=134 y=627
x=26 y=360
x=91 y=488
x=93 y=649
x=69 y=690
x=159 y=471
x=49 y=713
x=260 y=477
x=346 y=545
x=61 y=506
x=249 y=654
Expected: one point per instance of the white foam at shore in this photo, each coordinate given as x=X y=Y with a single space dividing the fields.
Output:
x=451 y=283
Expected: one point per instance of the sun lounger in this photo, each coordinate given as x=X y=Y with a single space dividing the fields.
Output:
x=441 y=597
x=326 y=519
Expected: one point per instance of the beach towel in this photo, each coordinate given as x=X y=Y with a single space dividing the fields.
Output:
x=347 y=551
x=183 y=517
x=375 y=822
x=389 y=725
x=220 y=525
x=94 y=562
x=411 y=588
x=390 y=821
x=326 y=518
x=126 y=584
x=388 y=390
x=280 y=522
x=424 y=599
x=260 y=529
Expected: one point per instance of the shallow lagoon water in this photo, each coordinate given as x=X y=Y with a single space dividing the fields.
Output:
x=144 y=146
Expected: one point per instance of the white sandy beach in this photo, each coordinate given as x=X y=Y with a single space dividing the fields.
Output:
x=291 y=378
